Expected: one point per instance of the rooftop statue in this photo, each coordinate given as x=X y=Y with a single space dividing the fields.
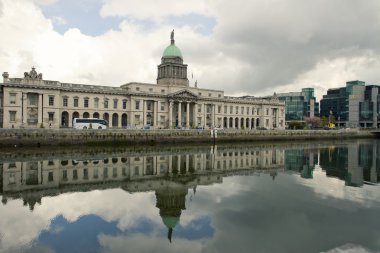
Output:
x=33 y=74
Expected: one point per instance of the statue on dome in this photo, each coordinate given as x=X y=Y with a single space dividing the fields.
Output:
x=172 y=35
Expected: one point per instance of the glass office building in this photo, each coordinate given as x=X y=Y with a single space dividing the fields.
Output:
x=356 y=105
x=299 y=104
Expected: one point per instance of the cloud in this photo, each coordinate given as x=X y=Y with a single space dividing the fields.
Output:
x=266 y=46
x=349 y=248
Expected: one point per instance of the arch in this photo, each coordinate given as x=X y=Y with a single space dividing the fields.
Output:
x=65 y=119
x=75 y=115
x=236 y=123
x=225 y=122
x=86 y=115
x=257 y=122
x=106 y=117
x=124 y=120
x=115 y=120
x=242 y=122
x=231 y=125
x=96 y=115
x=247 y=125
x=252 y=123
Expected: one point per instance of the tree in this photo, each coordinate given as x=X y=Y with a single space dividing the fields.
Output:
x=313 y=121
x=324 y=121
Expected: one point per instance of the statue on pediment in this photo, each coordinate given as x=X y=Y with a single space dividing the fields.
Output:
x=33 y=75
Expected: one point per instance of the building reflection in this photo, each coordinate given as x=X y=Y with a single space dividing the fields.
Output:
x=170 y=173
x=356 y=163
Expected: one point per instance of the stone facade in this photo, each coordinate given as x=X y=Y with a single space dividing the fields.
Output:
x=32 y=102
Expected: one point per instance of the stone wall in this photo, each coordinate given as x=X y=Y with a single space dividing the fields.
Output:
x=46 y=137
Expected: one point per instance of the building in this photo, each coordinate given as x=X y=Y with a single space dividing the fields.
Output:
x=355 y=105
x=299 y=104
x=31 y=102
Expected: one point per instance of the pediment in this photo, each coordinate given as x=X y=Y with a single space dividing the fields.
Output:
x=183 y=94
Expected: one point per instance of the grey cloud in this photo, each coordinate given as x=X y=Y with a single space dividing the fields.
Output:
x=282 y=41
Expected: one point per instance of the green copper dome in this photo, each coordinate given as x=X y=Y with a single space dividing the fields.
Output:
x=170 y=221
x=172 y=51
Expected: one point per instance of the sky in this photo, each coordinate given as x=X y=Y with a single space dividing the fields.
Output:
x=242 y=47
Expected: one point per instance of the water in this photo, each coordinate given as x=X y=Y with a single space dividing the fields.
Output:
x=299 y=197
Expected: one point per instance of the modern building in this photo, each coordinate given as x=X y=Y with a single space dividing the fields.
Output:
x=299 y=104
x=32 y=102
x=355 y=105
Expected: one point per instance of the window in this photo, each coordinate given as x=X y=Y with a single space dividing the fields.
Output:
x=51 y=116
x=150 y=89
x=124 y=104
x=237 y=109
x=76 y=102
x=209 y=94
x=137 y=88
x=64 y=175
x=137 y=104
x=248 y=110
x=200 y=93
x=231 y=109
x=106 y=103
x=85 y=102
x=115 y=101
x=65 y=101
x=219 y=108
x=51 y=100
x=267 y=122
x=253 y=111
x=137 y=119
x=12 y=98
x=225 y=109
x=50 y=176
x=96 y=102
x=162 y=119
x=199 y=108
x=149 y=105
x=162 y=106
x=242 y=110
x=12 y=116
x=219 y=95
x=33 y=99
x=267 y=112
x=162 y=91
x=258 y=111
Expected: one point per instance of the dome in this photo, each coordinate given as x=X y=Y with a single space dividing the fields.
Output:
x=170 y=221
x=172 y=51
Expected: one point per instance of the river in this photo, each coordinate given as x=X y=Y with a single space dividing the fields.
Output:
x=252 y=197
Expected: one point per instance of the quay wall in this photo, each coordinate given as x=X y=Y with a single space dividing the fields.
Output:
x=56 y=137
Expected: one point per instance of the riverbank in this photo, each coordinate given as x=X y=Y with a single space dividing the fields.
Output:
x=66 y=137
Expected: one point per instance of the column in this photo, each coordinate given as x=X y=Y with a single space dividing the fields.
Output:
x=179 y=163
x=24 y=108
x=170 y=114
x=144 y=112
x=179 y=115
x=277 y=117
x=188 y=115
x=204 y=115
x=195 y=119
x=40 y=105
x=170 y=169
x=213 y=115
x=155 y=114
x=187 y=163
